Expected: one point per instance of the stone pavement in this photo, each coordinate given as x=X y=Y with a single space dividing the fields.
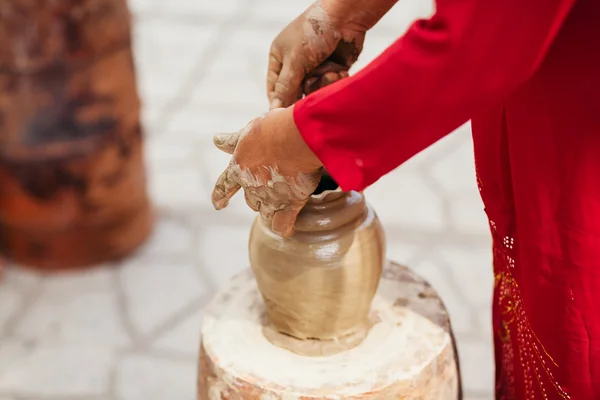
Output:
x=131 y=332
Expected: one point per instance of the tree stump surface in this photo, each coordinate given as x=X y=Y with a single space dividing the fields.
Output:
x=408 y=353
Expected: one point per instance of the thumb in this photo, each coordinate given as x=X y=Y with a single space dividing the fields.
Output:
x=226 y=142
x=284 y=220
x=287 y=87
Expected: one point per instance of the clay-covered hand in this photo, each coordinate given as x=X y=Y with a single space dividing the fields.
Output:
x=274 y=167
x=321 y=44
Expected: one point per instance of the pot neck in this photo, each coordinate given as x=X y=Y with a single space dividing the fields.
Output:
x=330 y=210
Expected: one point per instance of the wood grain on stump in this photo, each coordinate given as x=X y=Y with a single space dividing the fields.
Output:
x=408 y=353
x=72 y=178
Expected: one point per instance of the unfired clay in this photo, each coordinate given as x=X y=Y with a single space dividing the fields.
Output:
x=319 y=283
x=407 y=354
x=71 y=141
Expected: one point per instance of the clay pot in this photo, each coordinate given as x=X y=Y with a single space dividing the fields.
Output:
x=72 y=177
x=38 y=33
x=319 y=283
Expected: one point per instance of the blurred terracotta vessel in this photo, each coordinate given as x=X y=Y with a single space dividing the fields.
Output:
x=72 y=178
x=319 y=283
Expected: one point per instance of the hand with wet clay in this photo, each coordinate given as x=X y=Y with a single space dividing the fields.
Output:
x=274 y=167
x=319 y=47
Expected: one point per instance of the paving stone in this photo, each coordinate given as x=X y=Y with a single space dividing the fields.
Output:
x=398 y=19
x=224 y=251
x=156 y=378
x=224 y=90
x=94 y=279
x=10 y=299
x=162 y=151
x=479 y=396
x=476 y=364
x=77 y=307
x=156 y=292
x=247 y=49
x=20 y=278
x=83 y=314
x=472 y=270
x=143 y=6
x=58 y=371
x=176 y=187
x=184 y=337
x=197 y=124
x=166 y=53
x=279 y=12
x=404 y=199
x=455 y=173
x=468 y=214
x=11 y=350
x=151 y=117
x=189 y=8
x=461 y=313
x=170 y=240
x=401 y=251
x=485 y=324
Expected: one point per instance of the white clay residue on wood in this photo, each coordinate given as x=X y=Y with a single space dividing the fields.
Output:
x=403 y=346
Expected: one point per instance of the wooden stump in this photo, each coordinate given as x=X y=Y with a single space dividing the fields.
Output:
x=409 y=352
x=72 y=178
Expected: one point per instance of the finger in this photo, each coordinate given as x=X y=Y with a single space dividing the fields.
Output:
x=266 y=214
x=273 y=72
x=225 y=188
x=226 y=142
x=309 y=84
x=313 y=84
x=276 y=103
x=284 y=220
x=325 y=74
x=252 y=201
x=328 y=66
x=288 y=85
x=330 y=77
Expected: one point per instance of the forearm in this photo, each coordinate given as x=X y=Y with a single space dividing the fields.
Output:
x=360 y=15
x=444 y=70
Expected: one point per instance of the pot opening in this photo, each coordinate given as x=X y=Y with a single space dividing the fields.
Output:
x=326 y=183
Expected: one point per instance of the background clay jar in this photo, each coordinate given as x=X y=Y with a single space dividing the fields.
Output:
x=72 y=178
x=319 y=283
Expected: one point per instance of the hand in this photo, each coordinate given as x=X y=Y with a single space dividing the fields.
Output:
x=319 y=38
x=273 y=165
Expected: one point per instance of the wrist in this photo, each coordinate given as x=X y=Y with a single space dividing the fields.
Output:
x=298 y=142
x=356 y=15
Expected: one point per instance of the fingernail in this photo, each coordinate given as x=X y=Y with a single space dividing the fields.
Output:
x=287 y=233
x=218 y=199
x=220 y=139
x=220 y=204
x=276 y=103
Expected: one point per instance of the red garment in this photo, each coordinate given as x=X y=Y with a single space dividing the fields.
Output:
x=527 y=72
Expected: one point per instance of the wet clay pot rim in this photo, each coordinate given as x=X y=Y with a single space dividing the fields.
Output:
x=331 y=210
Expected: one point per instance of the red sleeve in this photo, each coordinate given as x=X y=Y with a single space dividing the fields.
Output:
x=427 y=84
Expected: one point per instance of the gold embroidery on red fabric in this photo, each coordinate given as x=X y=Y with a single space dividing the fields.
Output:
x=516 y=333
x=507 y=388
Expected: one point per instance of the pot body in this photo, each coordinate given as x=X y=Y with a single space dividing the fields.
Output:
x=319 y=283
x=72 y=176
